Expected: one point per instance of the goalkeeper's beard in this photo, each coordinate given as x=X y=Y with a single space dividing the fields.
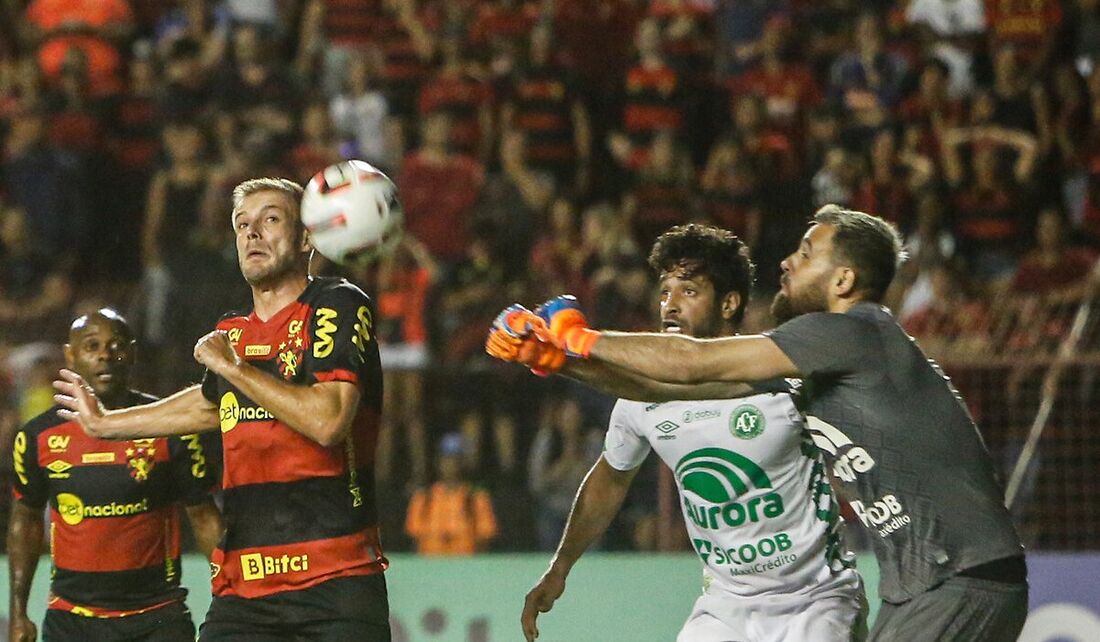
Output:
x=811 y=299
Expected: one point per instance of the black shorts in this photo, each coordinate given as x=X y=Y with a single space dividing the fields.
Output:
x=345 y=609
x=963 y=609
x=171 y=623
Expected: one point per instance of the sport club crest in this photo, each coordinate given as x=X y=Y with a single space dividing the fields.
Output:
x=290 y=350
x=140 y=458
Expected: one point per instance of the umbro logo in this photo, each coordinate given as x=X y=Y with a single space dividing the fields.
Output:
x=667 y=427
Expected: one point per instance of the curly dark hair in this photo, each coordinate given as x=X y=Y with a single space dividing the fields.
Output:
x=711 y=251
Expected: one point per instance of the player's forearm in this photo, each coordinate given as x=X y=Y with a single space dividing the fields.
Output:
x=598 y=500
x=25 y=532
x=678 y=359
x=322 y=412
x=183 y=413
x=626 y=384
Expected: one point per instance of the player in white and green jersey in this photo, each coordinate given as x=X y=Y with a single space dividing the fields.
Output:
x=755 y=496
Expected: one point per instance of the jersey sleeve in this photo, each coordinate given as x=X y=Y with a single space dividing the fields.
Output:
x=196 y=466
x=343 y=346
x=825 y=343
x=210 y=386
x=625 y=447
x=30 y=482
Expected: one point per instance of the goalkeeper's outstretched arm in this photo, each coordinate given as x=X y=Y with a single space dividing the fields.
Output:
x=598 y=500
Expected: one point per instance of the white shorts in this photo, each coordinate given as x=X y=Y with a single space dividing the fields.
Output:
x=834 y=613
x=403 y=356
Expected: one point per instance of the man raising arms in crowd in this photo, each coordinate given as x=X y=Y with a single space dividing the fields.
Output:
x=295 y=386
x=757 y=503
x=899 y=438
x=114 y=509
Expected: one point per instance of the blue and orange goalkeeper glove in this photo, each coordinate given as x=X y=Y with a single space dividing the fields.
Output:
x=519 y=336
x=567 y=326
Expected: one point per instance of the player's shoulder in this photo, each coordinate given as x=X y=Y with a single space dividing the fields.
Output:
x=232 y=319
x=44 y=421
x=635 y=413
x=329 y=291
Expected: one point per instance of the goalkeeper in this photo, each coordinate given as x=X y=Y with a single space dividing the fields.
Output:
x=757 y=503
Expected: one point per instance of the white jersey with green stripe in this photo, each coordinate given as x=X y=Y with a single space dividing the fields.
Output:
x=756 y=500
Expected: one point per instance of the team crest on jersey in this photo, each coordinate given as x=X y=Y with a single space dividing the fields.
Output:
x=290 y=350
x=140 y=459
x=746 y=422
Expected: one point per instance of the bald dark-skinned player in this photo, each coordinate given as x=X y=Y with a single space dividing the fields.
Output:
x=113 y=506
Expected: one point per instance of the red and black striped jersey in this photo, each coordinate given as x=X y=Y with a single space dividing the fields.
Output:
x=543 y=98
x=298 y=513
x=114 y=510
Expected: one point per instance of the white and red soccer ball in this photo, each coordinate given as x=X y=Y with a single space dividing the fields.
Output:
x=352 y=212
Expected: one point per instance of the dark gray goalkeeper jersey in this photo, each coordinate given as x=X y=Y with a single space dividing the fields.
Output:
x=903 y=445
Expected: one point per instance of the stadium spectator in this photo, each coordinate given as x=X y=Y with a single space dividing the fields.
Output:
x=467 y=99
x=557 y=252
x=1054 y=269
x=661 y=191
x=789 y=89
x=513 y=202
x=739 y=27
x=317 y=147
x=49 y=185
x=898 y=175
x=452 y=516
x=1031 y=28
x=951 y=32
x=990 y=213
x=360 y=114
x=254 y=90
x=867 y=78
x=97 y=28
x=439 y=190
x=560 y=456
x=403 y=284
x=654 y=94
x=543 y=101
x=731 y=190
x=35 y=289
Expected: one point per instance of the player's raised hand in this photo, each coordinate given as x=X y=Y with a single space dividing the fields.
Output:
x=78 y=401
x=567 y=326
x=215 y=352
x=536 y=352
x=21 y=629
x=540 y=599
x=516 y=321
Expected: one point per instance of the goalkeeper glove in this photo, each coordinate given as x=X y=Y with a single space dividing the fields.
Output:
x=567 y=326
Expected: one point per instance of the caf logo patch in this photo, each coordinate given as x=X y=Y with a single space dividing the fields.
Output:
x=746 y=422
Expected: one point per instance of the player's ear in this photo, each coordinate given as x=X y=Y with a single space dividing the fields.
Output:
x=306 y=245
x=844 y=281
x=730 y=303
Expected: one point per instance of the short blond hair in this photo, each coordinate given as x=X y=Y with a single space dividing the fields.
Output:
x=292 y=190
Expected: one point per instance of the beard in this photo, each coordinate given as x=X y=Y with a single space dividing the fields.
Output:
x=809 y=299
x=781 y=309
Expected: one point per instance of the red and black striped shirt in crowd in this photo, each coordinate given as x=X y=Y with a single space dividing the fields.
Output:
x=297 y=513
x=114 y=510
x=543 y=99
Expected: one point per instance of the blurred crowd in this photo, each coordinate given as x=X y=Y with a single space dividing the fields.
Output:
x=539 y=146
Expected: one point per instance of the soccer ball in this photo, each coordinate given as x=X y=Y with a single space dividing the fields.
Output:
x=352 y=212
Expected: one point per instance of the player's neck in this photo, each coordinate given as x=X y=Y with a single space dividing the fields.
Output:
x=268 y=299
